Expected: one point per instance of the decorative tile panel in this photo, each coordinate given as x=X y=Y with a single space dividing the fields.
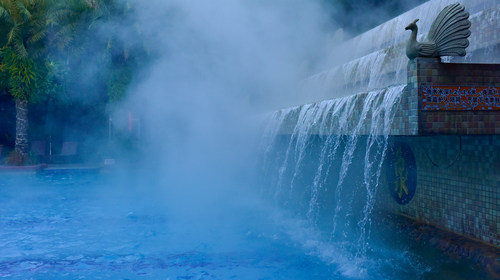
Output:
x=459 y=98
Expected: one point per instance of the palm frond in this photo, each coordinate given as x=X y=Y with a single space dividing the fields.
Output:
x=37 y=53
x=4 y=14
x=37 y=36
x=13 y=34
x=20 y=49
x=23 y=10
x=6 y=4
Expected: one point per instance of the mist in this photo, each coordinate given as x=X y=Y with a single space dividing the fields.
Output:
x=217 y=65
x=168 y=103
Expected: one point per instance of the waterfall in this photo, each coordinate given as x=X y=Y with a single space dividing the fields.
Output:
x=325 y=159
x=376 y=147
x=322 y=162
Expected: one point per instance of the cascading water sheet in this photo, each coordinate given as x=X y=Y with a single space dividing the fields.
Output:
x=327 y=159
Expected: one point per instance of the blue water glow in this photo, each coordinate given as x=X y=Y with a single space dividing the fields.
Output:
x=92 y=227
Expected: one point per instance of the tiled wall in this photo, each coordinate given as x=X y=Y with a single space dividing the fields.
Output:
x=457 y=153
x=406 y=119
x=458 y=185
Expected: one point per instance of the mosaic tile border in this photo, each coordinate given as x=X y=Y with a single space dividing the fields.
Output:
x=459 y=98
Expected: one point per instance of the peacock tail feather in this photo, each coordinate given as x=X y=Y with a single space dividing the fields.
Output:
x=450 y=31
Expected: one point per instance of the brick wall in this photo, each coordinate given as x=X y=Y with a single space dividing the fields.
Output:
x=430 y=72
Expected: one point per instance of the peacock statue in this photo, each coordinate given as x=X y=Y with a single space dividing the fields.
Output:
x=447 y=36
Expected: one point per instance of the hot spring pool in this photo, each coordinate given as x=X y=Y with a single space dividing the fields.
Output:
x=93 y=227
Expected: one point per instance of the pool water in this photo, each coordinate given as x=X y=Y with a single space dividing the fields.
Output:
x=99 y=227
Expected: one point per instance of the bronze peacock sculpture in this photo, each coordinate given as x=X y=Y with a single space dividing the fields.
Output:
x=447 y=36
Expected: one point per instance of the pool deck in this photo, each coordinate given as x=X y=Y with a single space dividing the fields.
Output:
x=70 y=169
x=478 y=252
x=52 y=169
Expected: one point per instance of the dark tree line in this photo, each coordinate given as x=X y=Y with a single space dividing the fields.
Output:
x=61 y=63
x=361 y=15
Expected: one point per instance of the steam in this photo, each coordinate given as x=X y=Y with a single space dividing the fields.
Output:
x=216 y=65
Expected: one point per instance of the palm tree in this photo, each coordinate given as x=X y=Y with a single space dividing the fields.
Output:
x=31 y=31
x=25 y=22
x=43 y=41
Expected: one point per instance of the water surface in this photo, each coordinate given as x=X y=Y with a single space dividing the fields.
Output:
x=93 y=227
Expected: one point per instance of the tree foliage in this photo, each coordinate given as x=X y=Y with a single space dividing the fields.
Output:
x=24 y=30
x=68 y=58
x=46 y=42
x=20 y=73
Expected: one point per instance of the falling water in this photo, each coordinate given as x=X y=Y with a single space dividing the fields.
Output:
x=323 y=161
x=376 y=147
x=329 y=150
x=335 y=137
